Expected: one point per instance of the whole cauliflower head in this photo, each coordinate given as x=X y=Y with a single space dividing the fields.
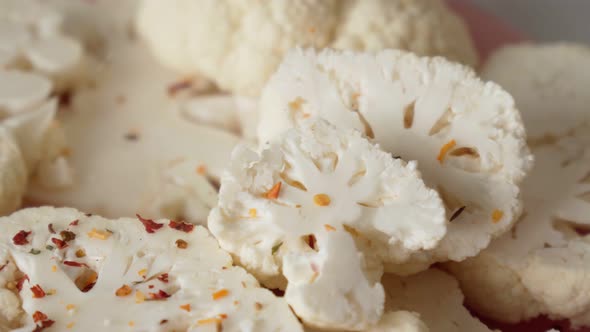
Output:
x=466 y=135
x=318 y=213
x=543 y=265
x=545 y=81
x=63 y=269
x=13 y=174
x=239 y=44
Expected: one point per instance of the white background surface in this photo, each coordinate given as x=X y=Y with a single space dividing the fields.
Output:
x=544 y=20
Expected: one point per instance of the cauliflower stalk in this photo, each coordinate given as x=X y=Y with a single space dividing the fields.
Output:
x=13 y=174
x=71 y=270
x=318 y=213
x=466 y=135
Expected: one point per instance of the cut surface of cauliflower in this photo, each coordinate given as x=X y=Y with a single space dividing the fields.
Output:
x=123 y=138
x=435 y=296
x=65 y=270
x=544 y=80
x=319 y=212
x=239 y=43
x=31 y=38
x=466 y=135
x=13 y=174
x=543 y=265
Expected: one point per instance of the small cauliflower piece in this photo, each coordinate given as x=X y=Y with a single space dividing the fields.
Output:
x=31 y=39
x=435 y=296
x=239 y=43
x=71 y=270
x=544 y=80
x=543 y=265
x=123 y=139
x=400 y=321
x=466 y=135
x=318 y=213
x=13 y=175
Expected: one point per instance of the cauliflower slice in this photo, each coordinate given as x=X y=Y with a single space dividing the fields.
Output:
x=13 y=175
x=123 y=137
x=466 y=135
x=30 y=36
x=436 y=297
x=544 y=79
x=91 y=274
x=320 y=212
x=250 y=37
x=515 y=278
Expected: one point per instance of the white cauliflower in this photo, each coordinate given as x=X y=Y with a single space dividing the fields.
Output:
x=320 y=212
x=544 y=80
x=123 y=136
x=31 y=37
x=394 y=321
x=466 y=135
x=239 y=43
x=13 y=175
x=87 y=273
x=436 y=297
x=543 y=265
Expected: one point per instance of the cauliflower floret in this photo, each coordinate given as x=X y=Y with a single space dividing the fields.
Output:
x=250 y=37
x=30 y=36
x=28 y=113
x=544 y=79
x=436 y=297
x=123 y=137
x=515 y=278
x=13 y=174
x=93 y=274
x=292 y=214
x=466 y=135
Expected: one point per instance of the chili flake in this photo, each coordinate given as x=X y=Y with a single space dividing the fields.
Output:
x=186 y=307
x=75 y=222
x=21 y=281
x=181 y=226
x=123 y=291
x=150 y=225
x=67 y=235
x=201 y=169
x=497 y=216
x=20 y=239
x=321 y=200
x=50 y=228
x=59 y=243
x=142 y=273
x=329 y=228
x=274 y=192
x=70 y=325
x=80 y=253
x=160 y=295
x=54 y=268
x=163 y=277
x=38 y=316
x=139 y=297
x=181 y=244
x=351 y=230
x=131 y=323
x=209 y=321
x=74 y=264
x=444 y=150
x=44 y=325
x=70 y=307
x=311 y=241
x=220 y=294
x=96 y=234
x=38 y=292
x=252 y=213
x=3 y=266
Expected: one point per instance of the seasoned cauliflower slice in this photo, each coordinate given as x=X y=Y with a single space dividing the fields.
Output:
x=318 y=213
x=544 y=80
x=28 y=113
x=13 y=174
x=543 y=265
x=62 y=269
x=436 y=297
x=466 y=135
x=123 y=140
x=239 y=43
x=31 y=37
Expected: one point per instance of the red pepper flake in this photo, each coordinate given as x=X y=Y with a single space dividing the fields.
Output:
x=220 y=294
x=150 y=225
x=59 y=243
x=44 y=325
x=181 y=226
x=75 y=222
x=3 y=266
x=181 y=244
x=311 y=241
x=38 y=316
x=88 y=287
x=20 y=239
x=123 y=291
x=50 y=228
x=163 y=277
x=151 y=286
x=67 y=236
x=160 y=295
x=74 y=264
x=274 y=192
x=38 y=292
x=21 y=281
